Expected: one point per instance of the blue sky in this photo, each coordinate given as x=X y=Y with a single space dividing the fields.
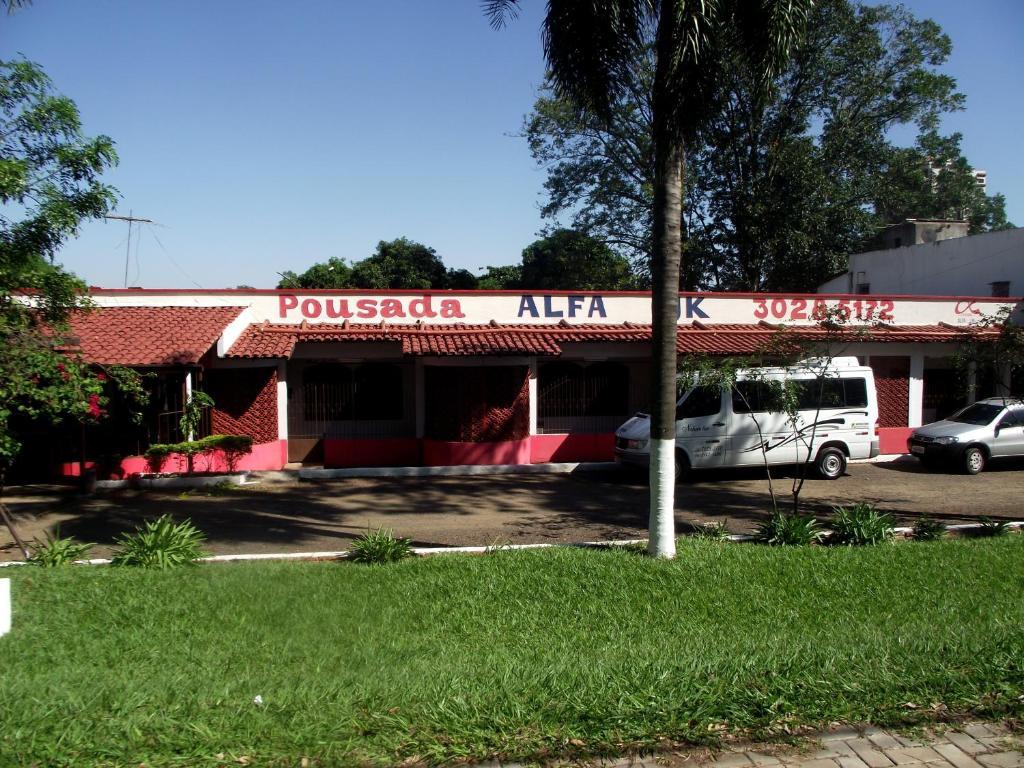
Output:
x=263 y=136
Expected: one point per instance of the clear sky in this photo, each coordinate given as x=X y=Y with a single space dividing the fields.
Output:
x=263 y=136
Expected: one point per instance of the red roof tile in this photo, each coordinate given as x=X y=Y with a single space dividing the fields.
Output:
x=149 y=336
x=269 y=340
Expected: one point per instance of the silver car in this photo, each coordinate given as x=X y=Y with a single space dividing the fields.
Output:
x=988 y=429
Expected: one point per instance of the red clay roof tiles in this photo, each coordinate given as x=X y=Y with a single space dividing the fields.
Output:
x=149 y=336
x=261 y=341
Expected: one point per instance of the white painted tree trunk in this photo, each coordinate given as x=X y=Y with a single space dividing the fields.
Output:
x=663 y=483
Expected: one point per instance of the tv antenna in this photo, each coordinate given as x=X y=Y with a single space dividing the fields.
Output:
x=128 y=251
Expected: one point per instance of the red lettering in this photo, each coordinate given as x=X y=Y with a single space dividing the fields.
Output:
x=391 y=308
x=779 y=308
x=761 y=312
x=339 y=310
x=286 y=302
x=421 y=308
x=367 y=307
x=799 y=311
x=451 y=308
x=311 y=308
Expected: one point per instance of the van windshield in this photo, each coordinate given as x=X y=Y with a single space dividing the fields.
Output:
x=978 y=414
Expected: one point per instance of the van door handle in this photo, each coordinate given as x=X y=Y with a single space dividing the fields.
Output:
x=711 y=441
x=718 y=424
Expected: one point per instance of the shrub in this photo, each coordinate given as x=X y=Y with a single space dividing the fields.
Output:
x=989 y=527
x=785 y=528
x=380 y=546
x=232 y=446
x=711 y=531
x=928 y=529
x=160 y=543
x=861 y=524
x=59 y=550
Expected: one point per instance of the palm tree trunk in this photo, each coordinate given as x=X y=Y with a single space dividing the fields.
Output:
x=669 y=168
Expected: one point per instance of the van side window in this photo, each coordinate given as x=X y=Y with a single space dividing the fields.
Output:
x=749 y=396
x=702 y=401
x=832 y=393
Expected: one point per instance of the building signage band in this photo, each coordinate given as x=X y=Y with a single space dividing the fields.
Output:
x=578 y=308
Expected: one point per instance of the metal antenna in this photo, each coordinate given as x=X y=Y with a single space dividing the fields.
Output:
x=128 y=251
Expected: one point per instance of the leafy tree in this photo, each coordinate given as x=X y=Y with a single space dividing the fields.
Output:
x=49 y=184
x=784 y=182
x=502 y=278
x=568 y=260
x=591 y=50
x=334 y=273
x=400 y=263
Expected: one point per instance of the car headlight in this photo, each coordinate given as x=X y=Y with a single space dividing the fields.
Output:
x=636 y=445
x=947 y=440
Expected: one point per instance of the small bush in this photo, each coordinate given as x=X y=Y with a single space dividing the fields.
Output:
x=861 y=524
x=160 y=543
x=233 y=447
x=59 y=550
x=928 y=529
x=783 y=528
x=711 y=531
x=989 y=528
x=380 y=546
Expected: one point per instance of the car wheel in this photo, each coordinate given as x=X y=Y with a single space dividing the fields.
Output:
x=682 y=467
x=831 y=463
x=973 y=460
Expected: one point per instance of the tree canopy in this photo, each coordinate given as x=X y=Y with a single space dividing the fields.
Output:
x=400 y=263
x=784 y=181
x=49 y=184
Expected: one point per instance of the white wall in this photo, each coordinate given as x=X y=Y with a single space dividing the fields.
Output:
x=964 y=266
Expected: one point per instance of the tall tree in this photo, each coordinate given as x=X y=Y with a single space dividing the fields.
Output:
x=591 y=48
x=49 y=184
x=785 y=182
x=568 y=260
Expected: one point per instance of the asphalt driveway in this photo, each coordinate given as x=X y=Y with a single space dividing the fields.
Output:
x=292 y=516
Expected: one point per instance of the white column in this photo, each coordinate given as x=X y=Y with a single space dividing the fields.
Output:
x=420 y=397
x=532 y=385
x=282 y=400
x=189 y=373
x=916 y=393
x=5 y=606
x=972 y=382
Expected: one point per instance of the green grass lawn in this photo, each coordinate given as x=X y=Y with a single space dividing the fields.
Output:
x=516 y=654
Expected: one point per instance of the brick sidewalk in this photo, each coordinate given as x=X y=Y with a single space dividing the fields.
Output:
x=975 y=745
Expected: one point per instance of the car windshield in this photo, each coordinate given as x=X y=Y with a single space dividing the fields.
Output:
x=979 y=413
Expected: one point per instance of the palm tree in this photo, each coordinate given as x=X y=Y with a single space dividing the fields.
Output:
x=590 y=46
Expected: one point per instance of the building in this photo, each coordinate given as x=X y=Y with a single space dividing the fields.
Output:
x=353 y=378
x=989 y=264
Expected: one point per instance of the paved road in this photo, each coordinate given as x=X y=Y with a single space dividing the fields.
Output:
x=483 y=510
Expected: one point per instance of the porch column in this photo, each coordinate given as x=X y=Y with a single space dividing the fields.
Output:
x=282 y=400
x=972 y=382
x=915 y=399
x=189 y=373
x=532 y=386
x=1003 y=374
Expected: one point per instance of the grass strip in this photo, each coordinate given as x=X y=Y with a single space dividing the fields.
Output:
x=516 y=654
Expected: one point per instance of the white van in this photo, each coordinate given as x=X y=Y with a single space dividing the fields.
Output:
x=837 y=421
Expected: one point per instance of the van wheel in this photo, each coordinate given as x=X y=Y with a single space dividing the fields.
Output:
x=973 y=460
x=831 y=463
x=682 y=467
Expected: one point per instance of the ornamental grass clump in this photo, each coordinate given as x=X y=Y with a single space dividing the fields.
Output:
x=717 y=531
x=988 y=528
x=928 y=529
x=160 y=543
x=783 y=528
x=59 y=550
x=379 y=547
x=860 y=525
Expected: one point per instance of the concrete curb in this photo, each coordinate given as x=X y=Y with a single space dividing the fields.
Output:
x=343 y=554
x=458 y=470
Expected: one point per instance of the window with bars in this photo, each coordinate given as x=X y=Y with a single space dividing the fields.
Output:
x=575 y=397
